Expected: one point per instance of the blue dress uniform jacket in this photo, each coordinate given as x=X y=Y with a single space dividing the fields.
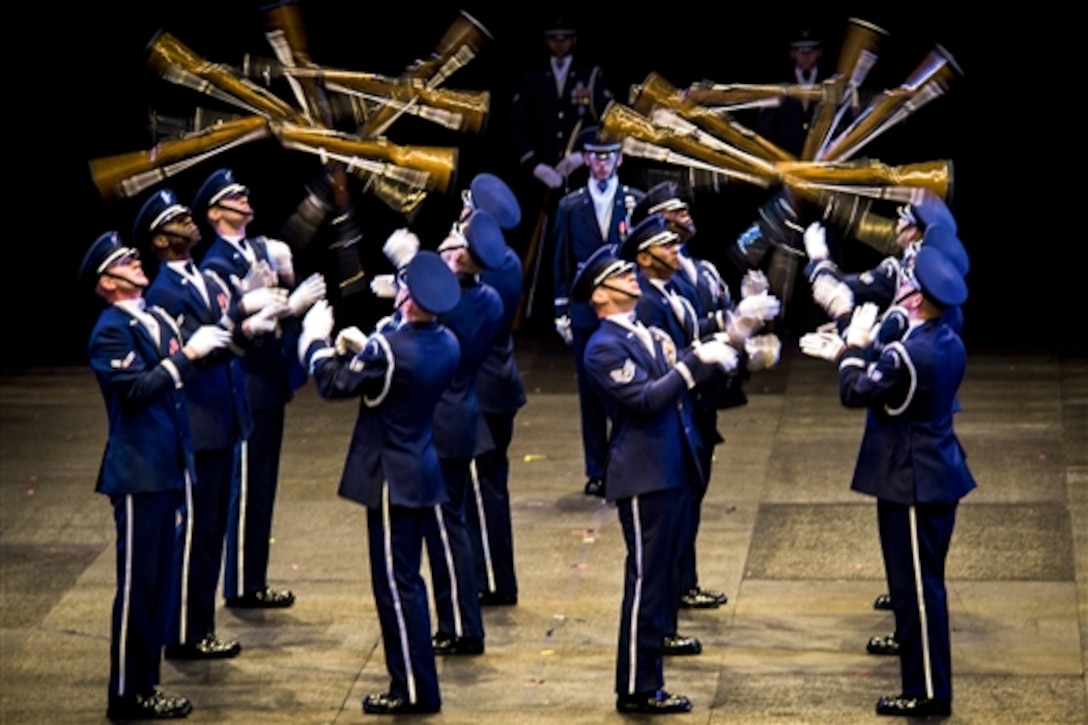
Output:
x=577 y=235
x=392 y=469
x=912 y=462
x=146 y=470
x=149 y=448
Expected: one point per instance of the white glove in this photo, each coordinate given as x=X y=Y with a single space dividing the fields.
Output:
x=826 y=345
x=401 y=246
x=863 y=327
x=833 y=295
x=384 y=286
x=763 y=351
x=316 y=325
x=763 y=306
x=549 y=176
x=739 y=328
x=258 y=299
x=206 y=339
x=754 y=282
x=816 y=242
x=570 y=163
x=562 y=326
x=350 y=339
x=308 y=292
x=716 y=352
x=283 y=260
x=259 y=275
x=265 y=320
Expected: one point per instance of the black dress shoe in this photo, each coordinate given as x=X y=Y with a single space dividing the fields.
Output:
x=653 y=703
x=699 y=598
x=884 y=601
x=678 y=644
x=497 y=599
x=154 y=705
x=448 y=644
x=913 y=707
x=388 y=704
x=595 y=487
x=883 y=645
x=209 y=648
x=266 y=598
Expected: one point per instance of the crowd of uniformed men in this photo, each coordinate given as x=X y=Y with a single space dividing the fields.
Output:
x=197 y=365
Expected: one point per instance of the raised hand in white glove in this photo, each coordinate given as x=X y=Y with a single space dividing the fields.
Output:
x=763 y=306
x=833 y=295
x=716 y=352
x=863 y=326
x=283 y=260
x=763 y=351
x=754 y=282
x=384 y=286
x=816 y=242
x=562 y=326
x=739 y=328
x=316 y=325
x=826 y=345
x=548 y=176
x=257 y=299
x=350 y=339
x=205 y=340
x=570 y=163
x=401 y=246
x=264 y=321
x=308 y=292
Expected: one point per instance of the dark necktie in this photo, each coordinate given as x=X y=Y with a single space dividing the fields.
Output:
x=602 y=186
x=242 y=244
x=189 y=269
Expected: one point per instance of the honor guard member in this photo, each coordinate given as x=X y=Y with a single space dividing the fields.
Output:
x=142 y=365
x=786 y=124
x=471 y=246
x=911 y=461
x=272 y=373
x=501 y=394
x=652 y=458
x=670 y=282
x=392 y=467
x=218 y=416
x=588 y=218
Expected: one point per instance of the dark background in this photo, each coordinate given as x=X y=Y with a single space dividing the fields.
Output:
x=89 y=93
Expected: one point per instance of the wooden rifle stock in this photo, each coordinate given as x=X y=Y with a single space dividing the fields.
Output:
x=127 y=174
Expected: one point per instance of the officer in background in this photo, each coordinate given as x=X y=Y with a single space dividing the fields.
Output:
x=218 y=411
x=501 y=394
x=142 y=365
x=786 y=125
x=272 y=373
x=913 y=464
x=588 y=218
x=652 y=458
x=392 y=466
x=554 y=102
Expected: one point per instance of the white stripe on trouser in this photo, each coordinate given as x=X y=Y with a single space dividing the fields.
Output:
x=485 y=540
x=126 y=599
x=447 y=552
x=920 y=594
x=636 y=601
x=243 y=498
x=186 y=556
x=402 y=627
